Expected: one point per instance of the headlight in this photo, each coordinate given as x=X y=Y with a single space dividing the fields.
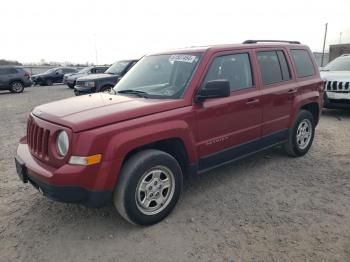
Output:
x=89 y=84
x=62 y=143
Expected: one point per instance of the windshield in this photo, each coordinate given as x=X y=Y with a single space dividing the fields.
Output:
x=339 y=64
x=117 y=68
x=51 y=70
x=160 y=76
x=84 y=70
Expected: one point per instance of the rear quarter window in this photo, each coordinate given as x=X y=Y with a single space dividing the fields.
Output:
x=303 y=63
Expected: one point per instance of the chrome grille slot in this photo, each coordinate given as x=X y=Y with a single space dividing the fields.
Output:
x=338 y=86
x=38 y=139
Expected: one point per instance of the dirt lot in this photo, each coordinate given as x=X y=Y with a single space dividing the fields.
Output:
x=268 y=207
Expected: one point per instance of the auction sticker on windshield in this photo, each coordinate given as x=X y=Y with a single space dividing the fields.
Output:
x=182 y=58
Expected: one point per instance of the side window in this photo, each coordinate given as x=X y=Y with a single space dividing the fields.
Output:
x=273 y=67
x=303 y=63
x=3 y=71
x=284 y=65
x=131 y=65
x=99 y=70
x=234 y=68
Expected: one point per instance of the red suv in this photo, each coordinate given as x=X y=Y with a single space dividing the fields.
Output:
x=173 y=114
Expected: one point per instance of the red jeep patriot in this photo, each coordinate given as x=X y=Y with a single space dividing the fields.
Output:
x=173 y=114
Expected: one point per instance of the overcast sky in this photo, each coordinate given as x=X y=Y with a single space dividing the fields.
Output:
x=69 y=30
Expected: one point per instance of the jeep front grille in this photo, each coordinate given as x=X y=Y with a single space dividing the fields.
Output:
x=38 y=139
x=338 y=86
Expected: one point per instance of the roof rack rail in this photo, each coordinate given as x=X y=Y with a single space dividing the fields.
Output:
x=271 y=41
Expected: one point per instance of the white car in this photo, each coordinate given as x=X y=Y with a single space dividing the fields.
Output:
x=337 y=87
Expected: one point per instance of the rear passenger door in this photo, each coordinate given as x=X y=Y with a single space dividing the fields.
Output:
x=3 y=77
x=229 y=127
x=278 y=92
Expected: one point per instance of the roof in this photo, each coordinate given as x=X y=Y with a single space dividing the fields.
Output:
x=201 y=49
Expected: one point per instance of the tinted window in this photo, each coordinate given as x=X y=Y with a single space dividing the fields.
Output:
x=235 y=68
x=273 y=67
x=68 y=70
x=284 y=65
x=303 y=63
x=100 y=69
x=5 y=71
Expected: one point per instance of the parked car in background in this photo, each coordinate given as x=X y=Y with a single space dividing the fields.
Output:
x=14 y=78
x=53 y=75
x=70 y=79
x=103 y=82
x=337 y=86
x=175 y=114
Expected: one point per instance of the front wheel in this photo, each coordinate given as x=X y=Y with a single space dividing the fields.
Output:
x=148 y=187
x=16 y=87
x=302 y=135
x=106 y=89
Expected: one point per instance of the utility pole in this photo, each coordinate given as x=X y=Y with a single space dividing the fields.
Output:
x=324 y=43
x=96 y=57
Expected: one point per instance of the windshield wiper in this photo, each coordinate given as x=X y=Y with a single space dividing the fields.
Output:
x=134 y=92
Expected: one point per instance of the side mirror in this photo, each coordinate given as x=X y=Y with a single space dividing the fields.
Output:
x=214 y=89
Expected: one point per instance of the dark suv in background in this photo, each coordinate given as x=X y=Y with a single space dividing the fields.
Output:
x=103 y=82
x=53 y=75
x=70 y=79
x=14 y=78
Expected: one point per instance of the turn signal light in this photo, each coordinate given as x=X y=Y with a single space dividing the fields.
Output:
x=85 y=160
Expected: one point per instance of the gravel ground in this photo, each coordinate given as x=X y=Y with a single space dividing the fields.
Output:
x=268 y=207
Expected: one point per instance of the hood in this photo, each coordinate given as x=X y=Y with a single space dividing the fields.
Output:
x=37 y=75
x=100 y=109
x=70 y=74
x=343 y=76
x=76 y=75
x=98 y=77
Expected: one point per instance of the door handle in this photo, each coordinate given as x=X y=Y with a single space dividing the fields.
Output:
x=292 y=91
x=252 y=101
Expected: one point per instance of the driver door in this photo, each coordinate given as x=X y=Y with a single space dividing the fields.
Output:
x=229 y=127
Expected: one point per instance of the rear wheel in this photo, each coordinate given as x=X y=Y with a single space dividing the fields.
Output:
x=48 y=82
x=71 y=85
x=16 y=87
x=148 y=187
x=302 y=135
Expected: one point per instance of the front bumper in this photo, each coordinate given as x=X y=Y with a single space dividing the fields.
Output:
x=82 y=90
x=334 y=100
x=87 y=185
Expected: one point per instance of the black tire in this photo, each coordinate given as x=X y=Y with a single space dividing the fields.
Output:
x=133 y=173
x=292 y=147
x=71 y=85
x=48 y=82
x=105 y=88
x=16 y=87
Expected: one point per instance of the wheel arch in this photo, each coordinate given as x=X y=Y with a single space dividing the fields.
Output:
x=173 y=146
x=314 y=109
x=308 y=101
x=16 y=80
x=173 y=137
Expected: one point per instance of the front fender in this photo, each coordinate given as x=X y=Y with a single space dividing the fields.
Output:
x=123 y=143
